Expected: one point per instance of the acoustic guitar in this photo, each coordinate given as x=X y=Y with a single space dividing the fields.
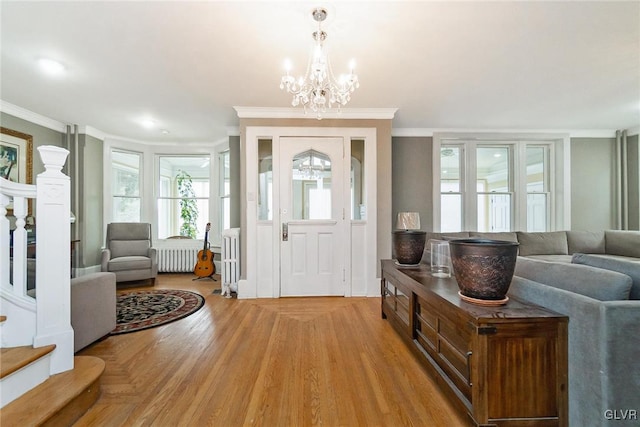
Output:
x=205 y=266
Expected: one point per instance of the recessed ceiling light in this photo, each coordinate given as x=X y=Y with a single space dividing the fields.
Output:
x=51 y=67
x=164 y=132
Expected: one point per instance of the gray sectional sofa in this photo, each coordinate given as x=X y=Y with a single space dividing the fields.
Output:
x=561 y=245
x=93 y=307
x=594 y=279
x=604 y=336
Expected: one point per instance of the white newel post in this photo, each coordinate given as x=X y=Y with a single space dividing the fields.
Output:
x=53 y=300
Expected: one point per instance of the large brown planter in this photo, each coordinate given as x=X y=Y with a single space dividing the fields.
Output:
x=483 y=268
x=408 y=246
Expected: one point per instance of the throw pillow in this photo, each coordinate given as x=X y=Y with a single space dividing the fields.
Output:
x=622 y=242
x=588 y=242
x=549 y=243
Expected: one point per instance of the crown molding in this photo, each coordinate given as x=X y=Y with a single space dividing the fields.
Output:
x=91 y=131
x=573 y=133
x=121 y=139
x=32 y=117
x=592 y=133
x=633 y=131
x=298 y=113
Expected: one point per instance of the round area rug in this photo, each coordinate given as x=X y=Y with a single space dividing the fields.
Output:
x=138 y=310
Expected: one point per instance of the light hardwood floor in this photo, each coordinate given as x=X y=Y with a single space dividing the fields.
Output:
x=266 y=362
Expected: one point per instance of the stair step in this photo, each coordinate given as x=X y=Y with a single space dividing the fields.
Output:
x=61 y=399
x=15 y=358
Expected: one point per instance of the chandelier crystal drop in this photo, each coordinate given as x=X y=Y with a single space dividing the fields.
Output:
x=319 y=90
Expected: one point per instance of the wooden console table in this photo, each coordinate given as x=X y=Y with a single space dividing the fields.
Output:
x=504 y=366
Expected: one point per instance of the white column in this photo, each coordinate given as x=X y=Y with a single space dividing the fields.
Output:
x=53 y=259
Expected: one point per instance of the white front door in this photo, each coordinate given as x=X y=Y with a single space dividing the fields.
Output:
x=314 y=238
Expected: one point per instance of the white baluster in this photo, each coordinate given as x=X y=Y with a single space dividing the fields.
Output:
x=20 y=247
x=4 y=241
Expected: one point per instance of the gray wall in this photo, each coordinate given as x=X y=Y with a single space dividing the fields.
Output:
x=234 y=165
x=633 y=154
x=91 y=201
x=412 y=178
x=41 y=136
x=89 y=212
x=593 y=183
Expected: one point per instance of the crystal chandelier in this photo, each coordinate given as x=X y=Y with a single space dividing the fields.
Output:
x=319 y=90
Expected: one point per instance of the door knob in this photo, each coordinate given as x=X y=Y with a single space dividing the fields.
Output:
x=285 y=232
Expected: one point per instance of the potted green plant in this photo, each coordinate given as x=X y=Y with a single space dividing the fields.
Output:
x=188 y=205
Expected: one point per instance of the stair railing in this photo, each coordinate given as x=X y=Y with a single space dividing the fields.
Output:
x=53 y=312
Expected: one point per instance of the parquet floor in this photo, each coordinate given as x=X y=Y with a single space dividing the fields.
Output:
x=280 y=362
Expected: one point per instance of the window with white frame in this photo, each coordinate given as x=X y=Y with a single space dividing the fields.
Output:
x=495 y=186
x=538 y=194
x=125 y=186
x=183 y=195
x=225 y=190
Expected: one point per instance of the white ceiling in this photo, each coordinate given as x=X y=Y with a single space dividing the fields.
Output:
x=445 y=65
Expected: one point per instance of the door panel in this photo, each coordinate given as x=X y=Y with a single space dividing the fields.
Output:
x=313 y=209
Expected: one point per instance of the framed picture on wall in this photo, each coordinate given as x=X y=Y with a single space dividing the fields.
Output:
x=16 y=158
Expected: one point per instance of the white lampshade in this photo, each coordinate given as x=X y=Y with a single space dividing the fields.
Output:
x=408 y=221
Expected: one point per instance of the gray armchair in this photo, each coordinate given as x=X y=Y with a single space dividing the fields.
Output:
x=128 y=252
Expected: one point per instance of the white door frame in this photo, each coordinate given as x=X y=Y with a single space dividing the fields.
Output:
x=262 y=272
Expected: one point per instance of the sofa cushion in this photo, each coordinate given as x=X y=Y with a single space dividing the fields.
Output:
x=508 y=236
x=129 y=231
x=619 y=242
x=551 y=258
x=447 y=236
x=130 y=263
x=588 y=242
x=93 y=307
x=597 y=283
x=122 y=248
x=543 y=243
x=630 y=268
x=426 y=254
